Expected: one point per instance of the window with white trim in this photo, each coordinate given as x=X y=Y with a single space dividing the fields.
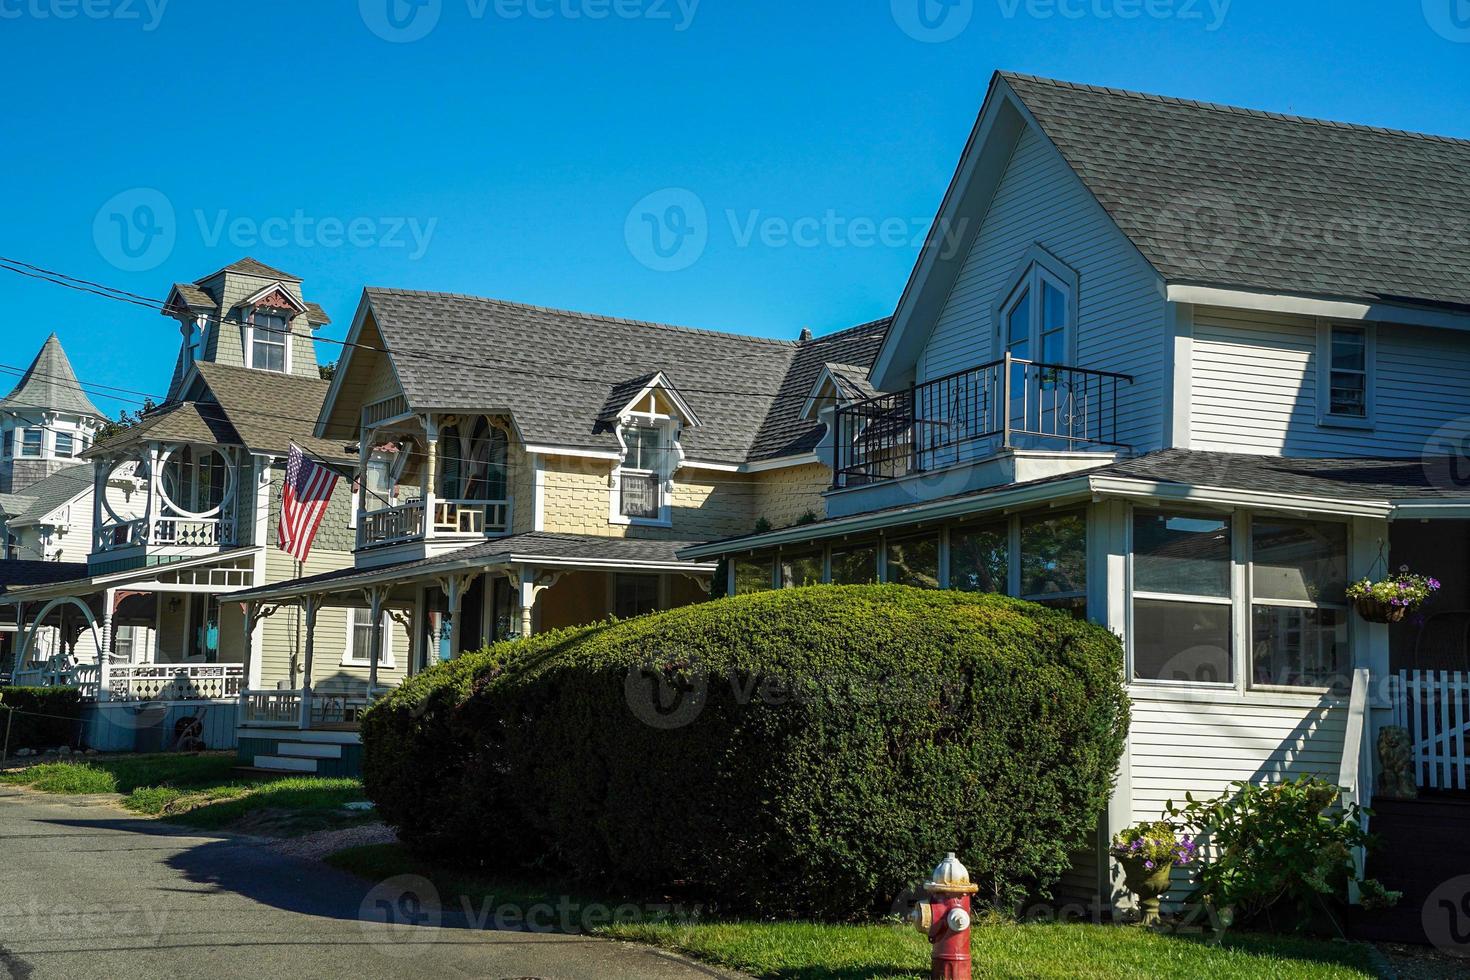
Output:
x=360 y=639
x=1182 y=597
x=1346 y=354
x=31 y=442
x=269 y=338
x=1299 y=616
x=65 y=445
x=1035 y=319
x=1053 y=561
x=641 y=476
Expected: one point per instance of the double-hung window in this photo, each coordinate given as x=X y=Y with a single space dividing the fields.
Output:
x=65 y=445
x=360 y=639
x=30 y=442
x=640 y=478
x=1182 y=597
x=269 y=337
x=1345 y=381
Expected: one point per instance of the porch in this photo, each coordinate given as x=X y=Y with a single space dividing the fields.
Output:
x=443 y=606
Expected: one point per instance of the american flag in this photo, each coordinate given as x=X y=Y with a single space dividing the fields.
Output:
x=304 y=500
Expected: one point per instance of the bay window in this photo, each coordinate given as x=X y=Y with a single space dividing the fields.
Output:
x=30 y=442
x=65 y=445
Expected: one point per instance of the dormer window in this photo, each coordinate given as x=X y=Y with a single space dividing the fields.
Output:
x=268 y=340
x=1036 y=313
x=641 y=478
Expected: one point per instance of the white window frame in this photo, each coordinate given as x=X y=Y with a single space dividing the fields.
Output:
x=670 y=456
x=20 y=443
x=1325 y=415
x=250 y=329
x=1242 y=602
x=56 y=438
x=385 y=654
x=1037 y=266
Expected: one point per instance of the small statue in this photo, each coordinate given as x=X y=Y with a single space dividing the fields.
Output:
x=1396 y=764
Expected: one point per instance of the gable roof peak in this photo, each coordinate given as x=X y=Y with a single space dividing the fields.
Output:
x=249 y=266
x=50 y=384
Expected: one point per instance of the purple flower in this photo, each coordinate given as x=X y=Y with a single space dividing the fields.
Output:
x=1149 y=865
x=1433 y=584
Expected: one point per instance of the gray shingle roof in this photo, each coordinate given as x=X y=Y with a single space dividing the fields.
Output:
x=197 y=298
x=317 y=316
x=597 y=549
x=22 y=573
x=1218 y=195
x=251 y=267
x=44 y=496
x=50 y=383
x=783 y=432
x=1358 y=478
x=557 y=370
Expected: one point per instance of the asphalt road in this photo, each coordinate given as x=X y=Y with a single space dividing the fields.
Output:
x=88 y=890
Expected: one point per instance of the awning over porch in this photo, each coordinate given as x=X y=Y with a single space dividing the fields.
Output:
x=537 y=549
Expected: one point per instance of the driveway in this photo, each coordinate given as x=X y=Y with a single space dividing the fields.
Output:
x=88 y=890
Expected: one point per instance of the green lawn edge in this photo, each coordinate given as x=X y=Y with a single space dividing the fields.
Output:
x=824 y=951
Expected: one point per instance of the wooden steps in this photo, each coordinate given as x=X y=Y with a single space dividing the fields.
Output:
x=297 y=757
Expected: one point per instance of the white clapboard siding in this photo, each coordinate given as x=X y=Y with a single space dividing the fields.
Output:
x=1120 y=317
x=1255 y=387
x=1201 y=747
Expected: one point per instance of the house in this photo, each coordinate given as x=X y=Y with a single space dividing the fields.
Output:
x=1194 y=369
x=181 y=512
x=522 y=469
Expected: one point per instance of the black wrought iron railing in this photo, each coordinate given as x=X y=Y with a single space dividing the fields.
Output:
x=1006 y=404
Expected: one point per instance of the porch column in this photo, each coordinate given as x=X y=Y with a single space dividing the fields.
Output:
x=431 y=471
x=364 y=452
x=247 y=610
x=417 y=641
x=533 y=582
x=151 y=506
x=99 y=489
x=455 y=586
x=312 y=604
x=375 y=597
x=104 y=655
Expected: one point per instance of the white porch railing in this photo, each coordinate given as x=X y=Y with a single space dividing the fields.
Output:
x=406 y=522
x=1435 y=708
x=403 y=522
x=174 y=682
x=271 y=709
x=140 y=682
x=471 y=516
x=188 y=532
x=282 y=709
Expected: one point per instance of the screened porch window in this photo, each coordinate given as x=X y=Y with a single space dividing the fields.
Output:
x=1299 y=617
x=1181 y=597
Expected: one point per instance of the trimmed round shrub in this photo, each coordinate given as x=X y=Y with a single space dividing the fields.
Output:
x=802 y=752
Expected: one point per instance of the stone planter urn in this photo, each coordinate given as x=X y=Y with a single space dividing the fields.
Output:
x=1148 y=884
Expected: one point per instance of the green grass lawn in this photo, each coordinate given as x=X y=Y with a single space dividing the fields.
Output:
x=204 y=791
x=808 y=951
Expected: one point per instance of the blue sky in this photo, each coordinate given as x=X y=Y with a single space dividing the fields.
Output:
x=513 y=149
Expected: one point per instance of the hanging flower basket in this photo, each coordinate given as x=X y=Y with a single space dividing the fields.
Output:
x=1379 y=610
x=1393 y=598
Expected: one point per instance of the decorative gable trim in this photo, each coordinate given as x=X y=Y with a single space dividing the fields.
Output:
x=274 y=296
x=657 y=382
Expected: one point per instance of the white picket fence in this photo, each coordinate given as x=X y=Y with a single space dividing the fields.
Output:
x=1434 y=705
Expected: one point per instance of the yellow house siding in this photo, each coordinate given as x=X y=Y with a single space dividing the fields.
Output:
x=706 y=505
x=785 y=496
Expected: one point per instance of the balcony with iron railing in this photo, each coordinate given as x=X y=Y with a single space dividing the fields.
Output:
x=973 y=415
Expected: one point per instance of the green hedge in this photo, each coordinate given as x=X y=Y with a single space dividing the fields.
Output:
x=836 y=741
x=43 y=717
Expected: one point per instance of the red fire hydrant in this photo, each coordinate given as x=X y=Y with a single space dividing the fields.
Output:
x=945 y=917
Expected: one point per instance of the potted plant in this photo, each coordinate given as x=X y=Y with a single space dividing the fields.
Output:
x=1148 y=852
x=1389 y=600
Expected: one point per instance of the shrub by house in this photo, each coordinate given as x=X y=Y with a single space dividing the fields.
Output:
x=811 y=753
